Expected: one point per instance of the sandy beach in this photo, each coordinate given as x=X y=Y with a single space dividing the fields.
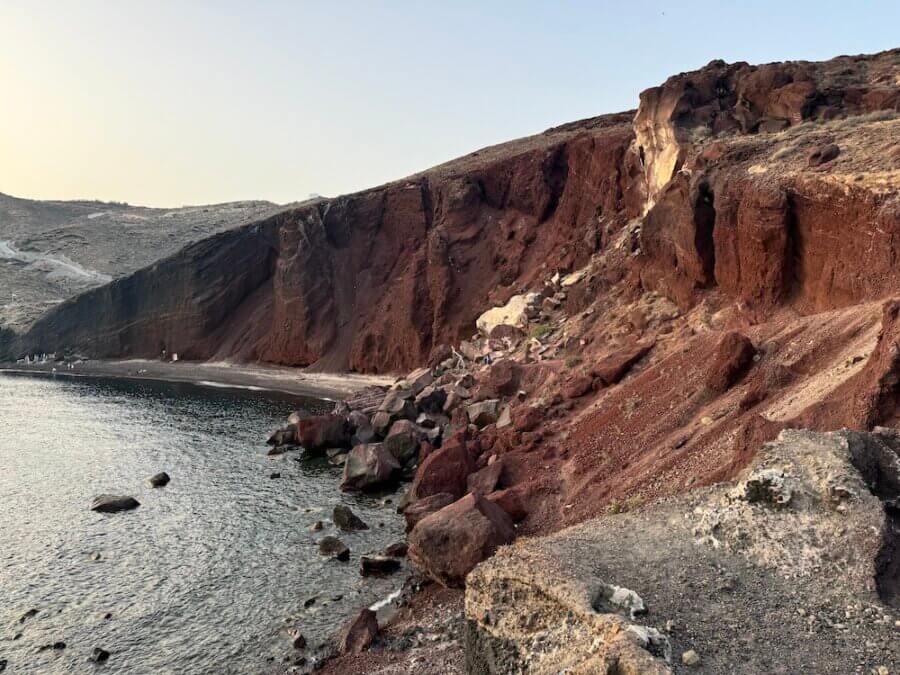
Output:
x=220 y=374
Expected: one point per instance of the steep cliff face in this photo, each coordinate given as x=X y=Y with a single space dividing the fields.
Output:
x=370 y=281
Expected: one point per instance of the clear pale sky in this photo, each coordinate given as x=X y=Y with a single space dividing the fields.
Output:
x=171 y=103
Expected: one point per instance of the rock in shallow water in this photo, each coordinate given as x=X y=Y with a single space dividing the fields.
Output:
x=160 y=479
x=346 y=520
x=334 y=548
x=377 y=565
x=99 y=655
x=114 y=503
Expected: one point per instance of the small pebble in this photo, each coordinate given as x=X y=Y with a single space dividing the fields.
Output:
x=690 y=658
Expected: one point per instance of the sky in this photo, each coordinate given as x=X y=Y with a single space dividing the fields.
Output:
x=191 y=102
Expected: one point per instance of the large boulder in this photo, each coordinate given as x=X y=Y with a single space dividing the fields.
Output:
x=514 y=313
x=319 y=432
x=369 y=466
x=733 y=356
x=444 y=470
x=361 y=426
x=114 y=503
x=526 y=417
x=448 y=544
x=501 y=380
x=420 y=509
x=484 y=412
x=432 y=398
x=403 y=440
x=613 y=367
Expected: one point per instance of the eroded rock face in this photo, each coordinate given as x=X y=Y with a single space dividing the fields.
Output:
x=448 y=544
x=739 y=97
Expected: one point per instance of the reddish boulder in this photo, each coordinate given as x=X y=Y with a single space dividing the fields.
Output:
x=578 y=387
x=369 y=466
x=422 y=508
x=403 y=440
x=614 y=367
x=361 y=632
x=510 y=501
x=823 y=154
x=444 y=470
x=732 y=357
x=526 y=418
x=501 y=380
x=323 y=431
x=448 y=544
x=484 y=481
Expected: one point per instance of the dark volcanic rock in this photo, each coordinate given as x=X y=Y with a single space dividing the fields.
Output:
x=157 y=480
x=377 y=565
x=334 y=548
x=345 y=519
x=114 y=503
x=99 y=655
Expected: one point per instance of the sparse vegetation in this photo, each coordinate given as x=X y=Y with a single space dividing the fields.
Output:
x=539 y=331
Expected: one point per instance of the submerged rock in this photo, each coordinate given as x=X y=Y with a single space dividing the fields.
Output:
x=334 y=548
x=114 y=503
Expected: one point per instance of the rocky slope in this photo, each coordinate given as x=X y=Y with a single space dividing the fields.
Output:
x=52 y=250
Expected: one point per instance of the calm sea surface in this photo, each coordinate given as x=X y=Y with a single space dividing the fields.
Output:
x=202 y=577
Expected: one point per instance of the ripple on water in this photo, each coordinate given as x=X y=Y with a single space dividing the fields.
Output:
x=201 y=577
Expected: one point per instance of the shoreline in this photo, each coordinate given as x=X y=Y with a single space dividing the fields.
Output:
x=221 y=375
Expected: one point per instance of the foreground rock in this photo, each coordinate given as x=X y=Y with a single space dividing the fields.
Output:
x=781 y=571
x=449 y=543
x=359 y=633
x=114 y=503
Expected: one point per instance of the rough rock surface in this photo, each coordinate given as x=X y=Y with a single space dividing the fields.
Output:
x=449 y=543
x=787 y=556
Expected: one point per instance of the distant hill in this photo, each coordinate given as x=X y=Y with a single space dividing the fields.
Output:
x=53 y=250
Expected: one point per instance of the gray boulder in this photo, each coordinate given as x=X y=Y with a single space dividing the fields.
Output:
x=369 y=466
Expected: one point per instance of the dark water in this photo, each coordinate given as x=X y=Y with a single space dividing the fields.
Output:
x=201 y=577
